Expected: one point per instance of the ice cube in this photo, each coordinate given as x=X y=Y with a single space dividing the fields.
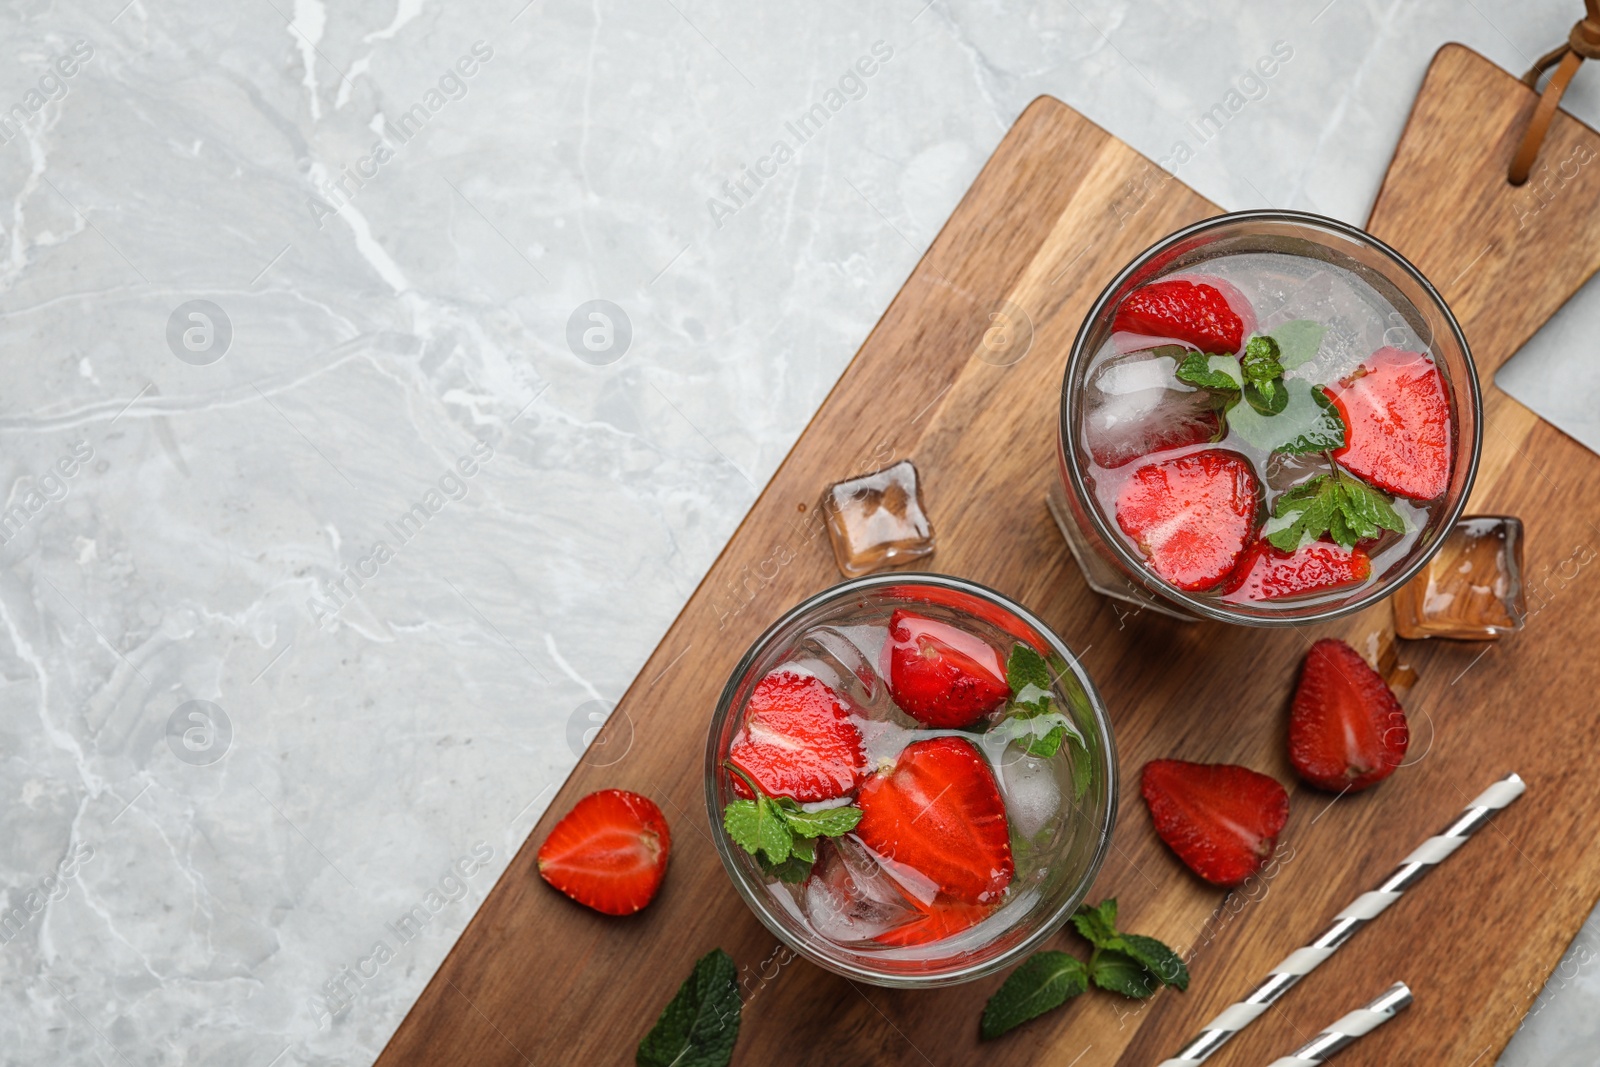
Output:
x=877 y=520
x=833 y=657
x=850 y=897
x=1031 y=788
x=1134 y=405
x=1472 y=589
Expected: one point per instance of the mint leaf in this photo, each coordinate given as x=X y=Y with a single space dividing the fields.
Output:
x=1210 y=372
x=1306 y=423
x=1048 y=745
x=1082 y=767
x=793 y=870
x=1267 y=398
x=757 y=826
x=1098 y=925
x=1118 y=972
x=1156 y=958
x=1045 y=982
x=700 y=1024
x=829 y=822
x=1340 y=506
x=1026 y=667
x=1298 y=342
x=1260 y=363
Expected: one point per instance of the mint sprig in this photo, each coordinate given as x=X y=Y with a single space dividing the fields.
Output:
x=1129 y=964
x=1307 y=421
x=779 y=832
x=1211 y=372
x=1336 y=504
x=699 y=1026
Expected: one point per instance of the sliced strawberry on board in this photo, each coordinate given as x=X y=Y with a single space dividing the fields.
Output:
x=939 y=812
x=1267 y=573
x=938 y=920
x=609 y=853
x=1191 y=516
x=1222 y=820
x=1196 y=313
x=797 y=741
x=1398 y=413
x=941 y=675
x=1346 y=729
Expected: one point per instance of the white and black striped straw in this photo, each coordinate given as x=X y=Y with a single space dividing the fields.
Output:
x=1321 y=1048
x=1362 y=910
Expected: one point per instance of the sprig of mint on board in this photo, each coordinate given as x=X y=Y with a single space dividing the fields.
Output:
x=699 y=1026
x=1335 y=504
x=1280 y=414
x=1032 y=713
x=780 y=833
x=1130 y=964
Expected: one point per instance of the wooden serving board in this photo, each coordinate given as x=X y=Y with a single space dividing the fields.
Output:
x=1057 y=211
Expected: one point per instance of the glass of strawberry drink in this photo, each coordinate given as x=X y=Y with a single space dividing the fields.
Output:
x=1268 y=417
x=911 y=780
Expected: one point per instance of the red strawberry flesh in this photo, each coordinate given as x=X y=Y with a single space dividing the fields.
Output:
x=938 y=921
x=1222 y=820
x=1191 y=516
x=1266 y=573
x=939 y=812
x=1346 y=729
x=1398 y=413
x=1194 y=313
x=797 y=741
x=609 y=852
x=941 y=675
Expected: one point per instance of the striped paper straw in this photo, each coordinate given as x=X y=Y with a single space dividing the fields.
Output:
x=1321 y=1048
x=1364 y=909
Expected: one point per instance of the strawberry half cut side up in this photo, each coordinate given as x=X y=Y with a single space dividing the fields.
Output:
x=1194 y=313
x=1346 y=729
x=939 y=812
x=1398 y=414
x=797 y=741
x=1222 y=820
x=940 y=675
x=1191 y=516
x=1265 y=573
x=609 y=853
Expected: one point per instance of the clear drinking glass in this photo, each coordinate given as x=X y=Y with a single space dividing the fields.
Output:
x=1297 y=244
x=834 y=636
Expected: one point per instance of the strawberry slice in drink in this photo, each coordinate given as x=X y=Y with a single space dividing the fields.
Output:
x=939 y=813
x=797 y=741
x=1266 y=573
x=1346 y=730
x=1191 y=516
x=941 y=675
x=1197 y=313
x=1398 y=413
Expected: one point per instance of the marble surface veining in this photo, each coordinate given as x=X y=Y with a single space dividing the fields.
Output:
x=333 y=521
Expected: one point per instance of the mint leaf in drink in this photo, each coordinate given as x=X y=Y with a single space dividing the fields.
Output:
x=1082 y=769
x=1118 y=972
x=1298 y=342
x=1210 y=372
x=1267 y=398
x=1045 y=982
x=1307 y=422
x=700 y=1024
x=829 y=822
x=1026 y=667
x=1098 y=924
x=1260 y=363
x=1340 y=506
x=1048 y=745
x=791 y=871
x=756 y=826
x=1156 y=958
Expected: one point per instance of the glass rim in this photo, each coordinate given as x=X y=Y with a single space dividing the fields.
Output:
x=754 y=895
x=1066 y=436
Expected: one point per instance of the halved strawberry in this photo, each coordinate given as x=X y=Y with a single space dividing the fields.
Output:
x=1398 y=413
x=797 y=740
x=1346 y=730
x=1191 y=516
x=1222 y=820
x=939 y=920
x=1191 y=312
x=1266 y=573
x=939 y=812
x=941 y=675
x=609 y=853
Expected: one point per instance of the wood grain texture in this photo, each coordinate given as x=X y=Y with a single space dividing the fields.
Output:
x=1056 y=212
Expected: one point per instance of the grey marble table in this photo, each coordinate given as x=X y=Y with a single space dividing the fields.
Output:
x=329 y=536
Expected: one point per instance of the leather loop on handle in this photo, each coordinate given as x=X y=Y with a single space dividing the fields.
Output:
x=1582 y=43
